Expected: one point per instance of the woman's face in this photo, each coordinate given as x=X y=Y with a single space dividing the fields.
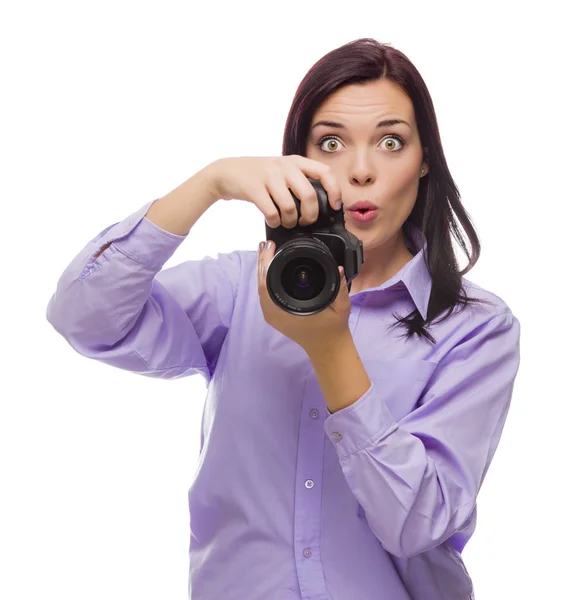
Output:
x=378 y=164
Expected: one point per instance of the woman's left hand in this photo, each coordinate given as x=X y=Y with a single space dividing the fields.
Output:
x=311 y=332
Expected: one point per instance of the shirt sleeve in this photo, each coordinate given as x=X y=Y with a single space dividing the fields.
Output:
x=122 y=309
x=418 y=480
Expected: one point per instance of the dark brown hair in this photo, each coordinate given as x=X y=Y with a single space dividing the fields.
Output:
x=365 y=60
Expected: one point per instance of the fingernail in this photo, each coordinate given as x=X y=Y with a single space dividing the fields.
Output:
x=338 y=205
x=268 y=246
x=261 y=244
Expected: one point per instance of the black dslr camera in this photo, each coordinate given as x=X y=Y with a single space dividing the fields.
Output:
x=303 y=275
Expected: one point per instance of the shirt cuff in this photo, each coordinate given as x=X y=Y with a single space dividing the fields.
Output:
x=137 y=238
x=356 y=426
x=149 y=245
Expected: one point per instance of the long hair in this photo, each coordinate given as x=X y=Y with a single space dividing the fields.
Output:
x=438 y=199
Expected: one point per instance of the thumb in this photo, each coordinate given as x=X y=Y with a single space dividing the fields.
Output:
x=344 y=284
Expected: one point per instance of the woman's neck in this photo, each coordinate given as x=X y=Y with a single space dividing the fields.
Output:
x=376 y=270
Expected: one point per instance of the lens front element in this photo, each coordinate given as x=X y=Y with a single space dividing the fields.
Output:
x=303 y=277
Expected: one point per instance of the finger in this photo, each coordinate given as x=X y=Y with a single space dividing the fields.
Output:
x=306 y=193
x=265 y=257
x=261 y=244
x=261 y=199
x=281 y=196
x=267 y=253
x=260 y=262
x=318 y=170
x=343 y=289
x=333 y=190
x=344 y=286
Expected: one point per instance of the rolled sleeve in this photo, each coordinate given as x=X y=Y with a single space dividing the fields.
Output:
x=121 y=308
x=418 y=479
x=356 y=426
x=137 y=238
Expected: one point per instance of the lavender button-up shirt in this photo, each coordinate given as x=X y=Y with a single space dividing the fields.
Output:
x=375 y=501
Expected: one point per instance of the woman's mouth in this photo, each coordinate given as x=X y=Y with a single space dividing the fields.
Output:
x=363 y=215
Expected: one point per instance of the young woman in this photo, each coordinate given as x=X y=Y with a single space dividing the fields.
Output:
x=342 y=452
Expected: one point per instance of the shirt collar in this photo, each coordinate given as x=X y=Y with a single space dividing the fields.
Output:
x=414 y=275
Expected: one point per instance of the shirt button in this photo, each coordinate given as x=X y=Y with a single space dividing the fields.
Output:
x=314 y=413
x=307 y=553
x=309 y=484
x=337 y=436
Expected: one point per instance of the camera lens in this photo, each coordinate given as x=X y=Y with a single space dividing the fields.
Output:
x=303 y=278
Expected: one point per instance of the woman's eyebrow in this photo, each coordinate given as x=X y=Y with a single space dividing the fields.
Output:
x=384 y=123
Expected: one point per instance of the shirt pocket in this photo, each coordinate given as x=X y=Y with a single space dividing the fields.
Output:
x=400 y=382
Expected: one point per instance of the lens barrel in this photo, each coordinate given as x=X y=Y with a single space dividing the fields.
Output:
x=303 y=277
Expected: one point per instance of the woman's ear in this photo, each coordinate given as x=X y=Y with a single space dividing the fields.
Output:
x=425 y=164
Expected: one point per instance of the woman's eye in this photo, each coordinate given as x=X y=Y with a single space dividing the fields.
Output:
x=389 y=143
x=392 y=139
x=332 y=142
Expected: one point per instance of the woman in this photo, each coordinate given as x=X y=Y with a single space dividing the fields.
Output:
x=341 y=453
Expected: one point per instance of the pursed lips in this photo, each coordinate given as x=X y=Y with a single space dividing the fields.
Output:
x=362 y=206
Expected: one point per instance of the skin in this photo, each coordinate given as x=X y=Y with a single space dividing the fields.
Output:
x=370 y=164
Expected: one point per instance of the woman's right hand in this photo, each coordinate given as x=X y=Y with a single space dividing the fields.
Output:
x=260 y=179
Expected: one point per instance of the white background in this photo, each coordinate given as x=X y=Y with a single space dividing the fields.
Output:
x=106 y=106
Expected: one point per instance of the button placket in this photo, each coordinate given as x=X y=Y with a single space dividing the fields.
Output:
x=310 y=457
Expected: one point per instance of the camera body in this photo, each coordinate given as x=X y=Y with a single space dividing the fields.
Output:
x=303 y=275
